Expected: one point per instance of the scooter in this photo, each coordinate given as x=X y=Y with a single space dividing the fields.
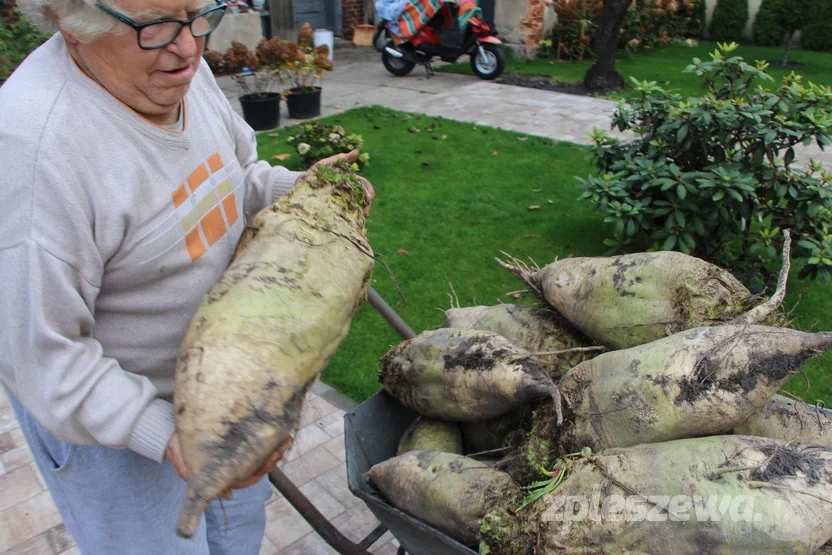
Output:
x=436 y=40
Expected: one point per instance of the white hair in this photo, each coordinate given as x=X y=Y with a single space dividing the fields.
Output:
x=79 y=18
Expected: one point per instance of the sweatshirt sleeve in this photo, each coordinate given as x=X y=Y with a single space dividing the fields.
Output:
x=57 y=370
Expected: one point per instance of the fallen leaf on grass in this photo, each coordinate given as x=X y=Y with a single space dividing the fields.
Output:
x=534 y=207
x=551 y=201
x=415 y=130
x=282 y=157
x=522 y=139
x=532 y=236
x=401 y=251
x=444 y=137
x=274 y=134
x=496 y=153
x=537 y=190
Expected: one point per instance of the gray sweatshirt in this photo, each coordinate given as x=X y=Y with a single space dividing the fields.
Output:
x=112 y=230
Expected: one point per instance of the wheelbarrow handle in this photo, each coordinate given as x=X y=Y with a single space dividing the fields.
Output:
x=390 y=315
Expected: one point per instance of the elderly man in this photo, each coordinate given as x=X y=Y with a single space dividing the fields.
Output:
x=127 y=179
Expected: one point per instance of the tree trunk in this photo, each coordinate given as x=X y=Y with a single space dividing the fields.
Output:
x=602 y=75
x=787 y=44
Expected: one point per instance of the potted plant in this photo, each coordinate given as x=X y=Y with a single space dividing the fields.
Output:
x=303 y=67
x=255 y=73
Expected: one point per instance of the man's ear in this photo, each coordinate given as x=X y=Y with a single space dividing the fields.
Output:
x=68 y=37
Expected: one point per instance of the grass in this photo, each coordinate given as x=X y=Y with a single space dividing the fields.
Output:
x=449 y=198
x=667 y=65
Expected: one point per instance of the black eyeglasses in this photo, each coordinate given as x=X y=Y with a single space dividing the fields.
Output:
x=160 y=33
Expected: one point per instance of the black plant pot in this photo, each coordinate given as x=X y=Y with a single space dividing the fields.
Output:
x=261 y=110
x=304 y=104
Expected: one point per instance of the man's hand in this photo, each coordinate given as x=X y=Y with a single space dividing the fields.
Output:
x=350 y=158
x=173 y=454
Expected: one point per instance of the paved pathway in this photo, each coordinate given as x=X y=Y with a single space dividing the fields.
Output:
x=359 y=79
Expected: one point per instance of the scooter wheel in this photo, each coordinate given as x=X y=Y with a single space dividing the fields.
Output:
x=492 y=64
x=397 y=67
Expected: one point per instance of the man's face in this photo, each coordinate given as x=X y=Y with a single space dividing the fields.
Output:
x=151 y=82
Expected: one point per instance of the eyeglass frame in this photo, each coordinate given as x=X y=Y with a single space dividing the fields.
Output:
x=182 y=23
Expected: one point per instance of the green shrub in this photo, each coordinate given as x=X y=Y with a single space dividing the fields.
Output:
x=816 y=35
x=728 y=21
x=768 y=30
x=715 y=175
x=17 y=40
x=315 y=141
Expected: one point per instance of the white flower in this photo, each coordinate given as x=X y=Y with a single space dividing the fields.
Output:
x=334 y=137
x=290 y=140
x=303 y=148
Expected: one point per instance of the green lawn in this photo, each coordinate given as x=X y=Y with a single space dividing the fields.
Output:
x=667 y=65
x=451 y=197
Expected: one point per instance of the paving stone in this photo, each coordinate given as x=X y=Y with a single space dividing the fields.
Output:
x=356 y=524
x=309 y=466
x=26 y=520
x=38 y=545
x=310 y=544
x=335 y=482
x=314 y=411
x=284 y=525
x=386 y=545
x=309 y=438
x=7 y=443
x=268 y=548
x=389 y=548
x=17 y=457
x=59 y=538
x=18 y=485
x=8 y=422
x=337 y=447
x=333 y=424
x=322 y=500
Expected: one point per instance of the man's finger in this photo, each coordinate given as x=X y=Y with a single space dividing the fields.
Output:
x=349 y=157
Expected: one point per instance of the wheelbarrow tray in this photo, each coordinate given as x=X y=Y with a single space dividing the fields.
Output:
x=371 y=435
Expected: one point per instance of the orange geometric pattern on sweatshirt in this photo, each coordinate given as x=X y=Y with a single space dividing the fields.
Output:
x=213 y=223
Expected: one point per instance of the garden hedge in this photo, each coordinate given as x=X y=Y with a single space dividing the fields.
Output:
x=818 y=35
x=728 y=21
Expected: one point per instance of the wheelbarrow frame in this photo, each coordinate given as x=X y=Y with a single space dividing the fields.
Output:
x=299 y=501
